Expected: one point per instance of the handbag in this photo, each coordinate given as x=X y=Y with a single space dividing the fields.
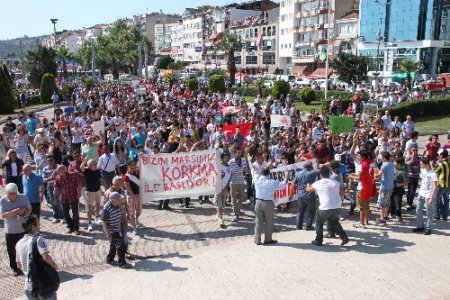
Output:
x=45 y=280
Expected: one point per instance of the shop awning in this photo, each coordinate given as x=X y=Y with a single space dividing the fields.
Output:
x=321 y=73
x=272 y=69
x=298 y=70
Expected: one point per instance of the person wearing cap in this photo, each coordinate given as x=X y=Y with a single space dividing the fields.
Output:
x=264 y=207
x=13 y=207
x=112 y=222
x=24 y=248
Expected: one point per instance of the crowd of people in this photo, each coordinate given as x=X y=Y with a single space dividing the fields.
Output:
x=59 y=161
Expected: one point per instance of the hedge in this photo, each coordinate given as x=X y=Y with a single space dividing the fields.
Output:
x=434 y=107
x=250 y=91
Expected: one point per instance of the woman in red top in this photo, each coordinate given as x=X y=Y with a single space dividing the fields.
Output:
x=432 y=147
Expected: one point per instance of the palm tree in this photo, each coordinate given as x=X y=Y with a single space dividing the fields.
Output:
x=407 y=66
x=231 y=43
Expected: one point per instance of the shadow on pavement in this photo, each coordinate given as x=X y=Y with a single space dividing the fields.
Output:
x=67 y=276
x=157 y=266
x=366 y=242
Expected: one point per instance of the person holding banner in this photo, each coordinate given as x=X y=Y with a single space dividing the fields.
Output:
x=264 y=207
x=221 y=198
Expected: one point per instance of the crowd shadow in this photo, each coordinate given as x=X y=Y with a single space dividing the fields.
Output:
x=157 y=266
x=365 y=242
x=65 y=276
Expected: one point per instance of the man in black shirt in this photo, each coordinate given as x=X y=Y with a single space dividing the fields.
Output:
x=93 y=195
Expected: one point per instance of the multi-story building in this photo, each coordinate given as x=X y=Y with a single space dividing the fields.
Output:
x=394 y=30
x=176 y=41
x=346 y=33
x=151 y=21
x=163 y=37
x=307 y=29
x=259 y=35
x=193 y=39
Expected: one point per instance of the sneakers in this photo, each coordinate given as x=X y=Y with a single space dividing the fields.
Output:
x=428 y=232
x=310 y=228
x=135 y=231
x=345 y=241
x=399 y=220
x=236 y=219
x=112 y=263
x=90 y=228
x=248 y=202
x=98 y=220
x=55 y=221
x=63 y=221
x=418 y=229
x=359 y=225
x=316 y=243
x=380 y=222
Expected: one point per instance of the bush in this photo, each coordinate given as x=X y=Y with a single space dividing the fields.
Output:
x=280 y=87
x=33 y=99
x=216 y=84
x=213 y=72
x=67 y=91
x=7 y=99
x=88 y=82
x=435 y=107
x=48 y=87
x=192 y=84
x=307 y=95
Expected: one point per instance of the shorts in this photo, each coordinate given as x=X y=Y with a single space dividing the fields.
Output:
x=221 y=199
x=384 y=198
x=364 y=204
x=134 y=206
x=93 y=198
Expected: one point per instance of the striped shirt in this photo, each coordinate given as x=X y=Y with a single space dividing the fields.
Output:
x=112 y=215
x=237 y=172
x=443 y=170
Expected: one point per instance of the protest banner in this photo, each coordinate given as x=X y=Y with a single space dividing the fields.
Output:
x=280 y=121
x=282 y=195
x=341 y=124
x=176 y=175
x=97 y=127
x=228 y=110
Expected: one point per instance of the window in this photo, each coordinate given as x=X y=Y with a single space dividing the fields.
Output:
x=251 y=60
x=238 y=60
x=264 y=31
x=268 y=59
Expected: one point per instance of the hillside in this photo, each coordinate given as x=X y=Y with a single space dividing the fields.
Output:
x=13 y=45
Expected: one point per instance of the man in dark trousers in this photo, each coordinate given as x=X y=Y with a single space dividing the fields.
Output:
x=330 y=194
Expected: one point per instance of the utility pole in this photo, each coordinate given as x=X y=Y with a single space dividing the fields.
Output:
x=93 y=58
x=146 y=60
x=328 y=50
x=139 y=59
x=21 y=60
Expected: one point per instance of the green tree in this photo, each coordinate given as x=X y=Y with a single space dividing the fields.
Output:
x=40 y=61
x=7 y=99
x=350 y=67
x=48 y=87
x=307 y=95
x=231 y=43
x=259 y=83
x=62 y=56
x=280 y=87
x=192 y=85
x=164 y=62
x=171 y=79
x=213 y=72
x=408 y=66
x=177 y=65
x=116 y=51
x=216 y=84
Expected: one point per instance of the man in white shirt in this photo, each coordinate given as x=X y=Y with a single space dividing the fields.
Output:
x=264 y=207
x=330 y=194
x=107 y=164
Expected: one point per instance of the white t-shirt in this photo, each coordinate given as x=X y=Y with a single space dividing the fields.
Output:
x=328 y=191
x=426 y=187
x=225 y=175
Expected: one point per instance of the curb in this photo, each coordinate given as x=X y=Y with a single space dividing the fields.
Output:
x=433 y=132
x=14 y=116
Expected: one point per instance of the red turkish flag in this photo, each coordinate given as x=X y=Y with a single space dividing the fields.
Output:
x=244 y=128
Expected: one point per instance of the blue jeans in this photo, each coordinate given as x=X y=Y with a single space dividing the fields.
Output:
x=332 y=217
x=308 y=207
x=441 y=203
x=421 y=203
x=56 y=204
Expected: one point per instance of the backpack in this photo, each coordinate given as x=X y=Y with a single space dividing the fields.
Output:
x=45 y=280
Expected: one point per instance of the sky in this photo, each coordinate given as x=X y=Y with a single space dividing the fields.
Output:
x=32 y=17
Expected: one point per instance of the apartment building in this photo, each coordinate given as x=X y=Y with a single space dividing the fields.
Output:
x=307 y=28
x=259 y=36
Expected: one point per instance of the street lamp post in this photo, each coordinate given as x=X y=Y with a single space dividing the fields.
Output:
x=54 y=21
x=328 y=50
